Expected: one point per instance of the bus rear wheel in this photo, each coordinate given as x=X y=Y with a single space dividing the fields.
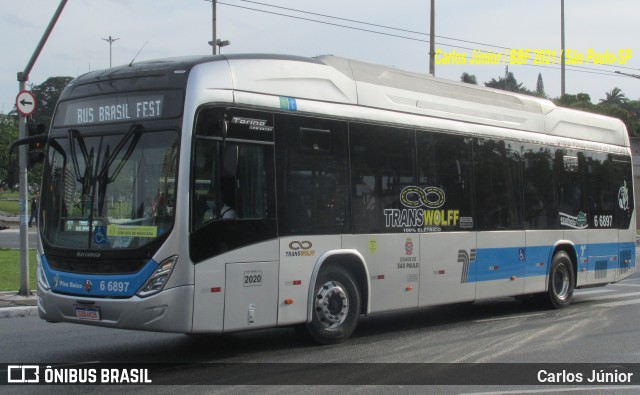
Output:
x=336 y=306
x=561 y=281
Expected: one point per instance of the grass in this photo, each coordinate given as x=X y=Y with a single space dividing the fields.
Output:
x=10 y=202
x=10 y=269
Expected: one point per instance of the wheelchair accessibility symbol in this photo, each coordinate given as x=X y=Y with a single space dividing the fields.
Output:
x=100 y=235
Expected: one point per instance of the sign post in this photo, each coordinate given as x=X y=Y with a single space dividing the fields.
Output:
x=26 y=104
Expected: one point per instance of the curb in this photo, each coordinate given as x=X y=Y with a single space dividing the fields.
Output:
x=14 y=305
x=19 y=311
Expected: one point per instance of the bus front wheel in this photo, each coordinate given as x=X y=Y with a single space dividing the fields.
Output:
x=561 y=281
x=336 y=306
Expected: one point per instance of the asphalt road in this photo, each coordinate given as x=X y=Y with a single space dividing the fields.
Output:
x=10 y=238
x=600 y=326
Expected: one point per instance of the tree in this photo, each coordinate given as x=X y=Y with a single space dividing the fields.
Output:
x=508 y=83
x=614 y=105
x=580 y=101
x=615 y=97
x=468 y=78
x=629 y=119
x=8 y=134
x=540 y=87
x=47 y=95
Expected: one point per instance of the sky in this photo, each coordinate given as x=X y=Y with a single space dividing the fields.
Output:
x=594 y=29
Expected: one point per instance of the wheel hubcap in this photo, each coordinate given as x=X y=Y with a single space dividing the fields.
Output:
x=561 y=282
x=332 y=304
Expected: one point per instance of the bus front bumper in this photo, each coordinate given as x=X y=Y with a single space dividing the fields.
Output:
x=168 y=311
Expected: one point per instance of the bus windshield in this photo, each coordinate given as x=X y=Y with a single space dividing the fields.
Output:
x=109 y=191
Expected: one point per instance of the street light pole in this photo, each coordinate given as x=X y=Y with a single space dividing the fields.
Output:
x=110 y=41
x=23 y=77
x=222 y=43
x=562 y=91
x=432 y=38
x=214 y=41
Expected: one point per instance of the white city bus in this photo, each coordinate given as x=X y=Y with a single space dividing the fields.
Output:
x=228 y=193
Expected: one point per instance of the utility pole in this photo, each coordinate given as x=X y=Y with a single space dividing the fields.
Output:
x=562 y=91
x=213 y=41
x=432 y=42
x=23 y=77
x=110 y=41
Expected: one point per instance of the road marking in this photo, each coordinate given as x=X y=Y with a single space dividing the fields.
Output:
x=628 y=285
x=591 y=292
x=619 y=303
x=31 y=231
x=513 y=317
x=614 y=296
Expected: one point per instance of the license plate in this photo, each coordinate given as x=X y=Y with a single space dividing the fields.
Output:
x=88 y=313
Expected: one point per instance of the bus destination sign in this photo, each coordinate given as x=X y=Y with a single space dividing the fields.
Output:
x=112 y=108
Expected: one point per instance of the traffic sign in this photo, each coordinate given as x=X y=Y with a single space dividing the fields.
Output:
x=26 y=103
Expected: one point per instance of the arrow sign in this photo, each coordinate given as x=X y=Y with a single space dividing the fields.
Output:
x=25 y=103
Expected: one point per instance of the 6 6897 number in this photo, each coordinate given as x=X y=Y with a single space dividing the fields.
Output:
x=114 y=286
x=603 y=221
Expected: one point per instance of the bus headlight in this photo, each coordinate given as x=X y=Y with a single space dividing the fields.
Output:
x=159 y=278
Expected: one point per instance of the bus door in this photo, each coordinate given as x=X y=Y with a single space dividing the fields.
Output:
x=539 y=169
x=602 y=229
x=386 y=228
x=313 y=202
x=501 y=248
x=623 y=204
x=233 y=240
x=448 y=251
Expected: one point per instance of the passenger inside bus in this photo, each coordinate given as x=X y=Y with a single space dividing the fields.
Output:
x=226 y=211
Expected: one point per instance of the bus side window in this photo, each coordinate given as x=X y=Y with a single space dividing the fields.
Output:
x=247 y=193
x=382 y=164
x=622 y=190
x=599 y=187
x=312 y=175
x=444 y=162
x=572 y=200
x=540 y=197
x=498 y=180
x=205 y=170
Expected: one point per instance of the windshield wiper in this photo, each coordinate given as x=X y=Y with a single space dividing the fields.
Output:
x=134 y=131
x=103 y=177
x=74 y=134
x=83 y=178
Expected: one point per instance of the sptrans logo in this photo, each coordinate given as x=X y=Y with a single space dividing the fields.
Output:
x=422 y=211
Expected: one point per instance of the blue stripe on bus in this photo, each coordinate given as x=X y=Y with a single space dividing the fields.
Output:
x=109 y=285
x=490 y=264
x=502 y=263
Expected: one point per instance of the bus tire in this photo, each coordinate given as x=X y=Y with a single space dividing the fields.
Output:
x=561 y=281
x=335 y=305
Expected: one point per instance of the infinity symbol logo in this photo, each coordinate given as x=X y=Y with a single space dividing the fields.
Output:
x=414 y=197
x=297 y=245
